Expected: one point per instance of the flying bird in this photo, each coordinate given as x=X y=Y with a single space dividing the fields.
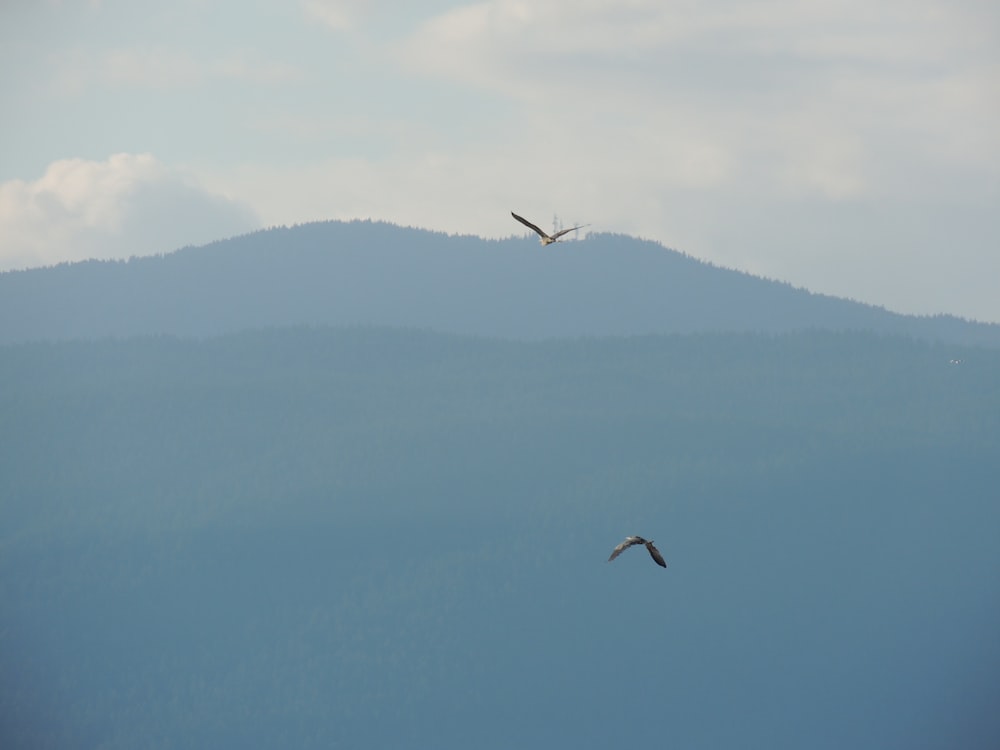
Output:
x=630 y=540
x=546 y=239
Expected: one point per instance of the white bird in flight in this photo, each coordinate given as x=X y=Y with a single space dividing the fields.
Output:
x=546 y=239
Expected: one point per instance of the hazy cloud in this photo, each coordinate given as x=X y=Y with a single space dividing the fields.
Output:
x=801 y=95
x=128 y=205
x=354 y=15
x=339 y=15
x=163 y=67
x=384 y=19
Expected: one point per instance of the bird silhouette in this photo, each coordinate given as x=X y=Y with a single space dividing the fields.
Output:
x=546 y=239
x=631 y=540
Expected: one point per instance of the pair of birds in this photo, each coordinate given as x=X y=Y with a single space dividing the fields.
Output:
x=546 y=239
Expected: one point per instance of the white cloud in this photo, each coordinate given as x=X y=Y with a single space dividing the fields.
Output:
x=130 y=204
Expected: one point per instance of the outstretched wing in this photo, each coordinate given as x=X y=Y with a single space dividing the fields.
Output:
x=629 y=541
x=561 y=232
x=531 y=226
x=655 y=554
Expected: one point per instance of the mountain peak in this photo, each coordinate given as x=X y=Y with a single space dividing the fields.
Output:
x=373 y=273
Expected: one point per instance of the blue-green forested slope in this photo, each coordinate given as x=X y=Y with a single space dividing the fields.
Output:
x=386 y=538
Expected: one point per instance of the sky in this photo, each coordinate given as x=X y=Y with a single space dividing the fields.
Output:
x=849 y=147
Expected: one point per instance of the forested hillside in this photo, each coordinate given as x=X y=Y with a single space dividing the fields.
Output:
x=364 y=273
x=365 y=537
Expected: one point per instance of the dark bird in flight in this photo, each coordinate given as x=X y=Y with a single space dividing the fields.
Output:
x=629 y=541
x=546 y=239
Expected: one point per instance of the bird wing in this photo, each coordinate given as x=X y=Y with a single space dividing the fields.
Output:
x=629 y=541
x=531 y=226
x=561 y=232
x=655 y=554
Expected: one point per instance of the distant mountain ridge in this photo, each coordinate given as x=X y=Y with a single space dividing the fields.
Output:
x=374 y=273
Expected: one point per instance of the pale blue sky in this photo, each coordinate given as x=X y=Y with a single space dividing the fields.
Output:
x=849 y=147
